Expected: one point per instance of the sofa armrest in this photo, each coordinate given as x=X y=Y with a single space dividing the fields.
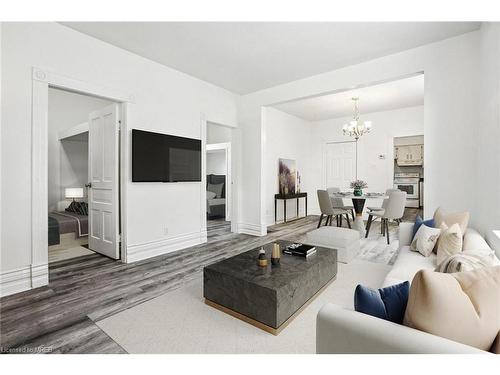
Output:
x=405 y=234
x=342 y=331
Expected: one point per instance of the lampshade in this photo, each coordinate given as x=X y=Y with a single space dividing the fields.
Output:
x=73 y=193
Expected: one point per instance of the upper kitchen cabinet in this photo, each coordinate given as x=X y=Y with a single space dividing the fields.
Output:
x=409 y=154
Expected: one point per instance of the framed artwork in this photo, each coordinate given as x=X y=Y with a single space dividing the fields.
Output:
x=287 y=176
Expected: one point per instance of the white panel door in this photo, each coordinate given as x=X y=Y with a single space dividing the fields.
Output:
x=340 y=164
x=103 y=180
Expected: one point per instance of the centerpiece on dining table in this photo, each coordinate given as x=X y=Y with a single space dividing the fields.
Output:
x=358 y=186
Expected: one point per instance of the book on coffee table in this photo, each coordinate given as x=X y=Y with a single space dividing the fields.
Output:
x=298 y=249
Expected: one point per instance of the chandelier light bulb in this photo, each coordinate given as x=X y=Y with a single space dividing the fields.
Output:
x=356 y=128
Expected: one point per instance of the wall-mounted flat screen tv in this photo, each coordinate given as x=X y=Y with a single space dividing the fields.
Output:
x=164 y=158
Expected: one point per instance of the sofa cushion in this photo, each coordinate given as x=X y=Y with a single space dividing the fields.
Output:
x=474 y=241
x=463 y=307
x=386 y=303
x=450 y=242
x=407 y=264
x=418 y=222
x=425 y=240
x=211 y=195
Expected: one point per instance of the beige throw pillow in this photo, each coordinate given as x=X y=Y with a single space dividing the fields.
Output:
x=463 y=307
x=461 y=218
x=425 y=239
x=449 y=243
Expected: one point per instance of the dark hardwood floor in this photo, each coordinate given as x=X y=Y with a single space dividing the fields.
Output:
x=59 y=317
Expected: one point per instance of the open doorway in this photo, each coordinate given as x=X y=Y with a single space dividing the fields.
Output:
x=82 y=170
x=219 y=180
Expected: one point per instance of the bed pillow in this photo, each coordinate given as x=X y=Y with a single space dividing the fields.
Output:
x=216 y=188
x=387 y=303
x=450 y=242
x=418 y=222
x=211 y=195
x=463 y=307
x=425 y=240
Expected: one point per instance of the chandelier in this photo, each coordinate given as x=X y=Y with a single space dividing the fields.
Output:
x=356 y=128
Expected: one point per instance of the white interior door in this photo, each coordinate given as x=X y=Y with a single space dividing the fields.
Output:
x=103 y=178
x=340 y=164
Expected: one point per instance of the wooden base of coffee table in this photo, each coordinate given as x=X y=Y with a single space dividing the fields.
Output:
x=264 y=327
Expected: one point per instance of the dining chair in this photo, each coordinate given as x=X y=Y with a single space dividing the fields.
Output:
x=326 y=208
x=384 y=202
x=338 y=202
x=394 y=210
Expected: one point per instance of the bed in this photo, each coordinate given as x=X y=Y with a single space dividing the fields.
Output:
x=67 y=225
x=216 y=205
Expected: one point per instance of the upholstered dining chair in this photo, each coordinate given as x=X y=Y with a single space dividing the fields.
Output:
x=384 y=202
x=326 y=208
x=394 y=210
x=338 y=202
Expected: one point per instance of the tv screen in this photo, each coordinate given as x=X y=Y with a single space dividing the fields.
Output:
x=164 y=158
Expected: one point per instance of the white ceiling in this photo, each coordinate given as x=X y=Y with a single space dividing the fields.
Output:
x=402 y=93
x=249 y=56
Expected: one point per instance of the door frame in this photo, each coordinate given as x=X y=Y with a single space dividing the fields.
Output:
x=323 y=157
x=226 y=147
x=42 y=80
x=235 y=174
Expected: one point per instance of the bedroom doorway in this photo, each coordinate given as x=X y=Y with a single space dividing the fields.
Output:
x=82 y=175
x=219 y=180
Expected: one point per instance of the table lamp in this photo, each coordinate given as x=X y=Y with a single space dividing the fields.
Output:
x=73 y=193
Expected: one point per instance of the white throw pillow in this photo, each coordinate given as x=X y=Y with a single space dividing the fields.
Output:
x=211 y=195
x=450 y=242
x=425 y=239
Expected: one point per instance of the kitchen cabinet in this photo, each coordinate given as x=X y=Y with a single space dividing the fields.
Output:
x=409 y=154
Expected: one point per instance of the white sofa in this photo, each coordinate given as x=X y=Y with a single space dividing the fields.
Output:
x=343 y=331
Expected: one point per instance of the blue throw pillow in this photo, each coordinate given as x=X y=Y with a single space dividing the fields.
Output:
x=418 y=222
x=387 y=303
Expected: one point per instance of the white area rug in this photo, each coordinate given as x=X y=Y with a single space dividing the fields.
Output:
x=180 y=321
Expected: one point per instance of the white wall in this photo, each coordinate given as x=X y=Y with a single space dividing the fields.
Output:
x=160 y=217
x=451 y=109
x=216 y=162
x=378 y=173
x=287 y=137
x=488 y=130
x=68 y=160
x=218 y=133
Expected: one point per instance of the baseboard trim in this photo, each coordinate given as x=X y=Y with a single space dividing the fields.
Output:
x=252 y=229
x=24 y=278
x=39 y=275
x=154 y=248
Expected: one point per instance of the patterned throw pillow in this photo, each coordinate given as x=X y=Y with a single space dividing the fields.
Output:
x=425 y=240
x=450 y=242
x=418 y=222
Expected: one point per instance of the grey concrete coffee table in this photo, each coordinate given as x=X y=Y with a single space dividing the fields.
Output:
x=270 y=297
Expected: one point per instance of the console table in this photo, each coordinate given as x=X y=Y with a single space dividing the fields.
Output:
x=284 y=198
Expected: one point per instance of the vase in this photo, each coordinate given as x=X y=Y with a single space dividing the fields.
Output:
x=358 y=192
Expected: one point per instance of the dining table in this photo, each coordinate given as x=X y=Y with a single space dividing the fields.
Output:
x=358 y=203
